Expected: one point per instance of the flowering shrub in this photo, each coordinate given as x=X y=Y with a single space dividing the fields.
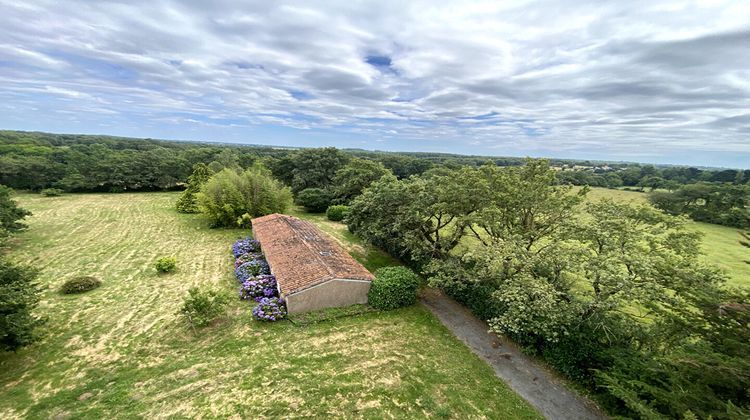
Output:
x=270 y=309
x=251 y=268
x=258 y=288
x=245 y=246
x=247 y=258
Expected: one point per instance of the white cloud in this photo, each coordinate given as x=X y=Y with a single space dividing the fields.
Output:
x=618 y=78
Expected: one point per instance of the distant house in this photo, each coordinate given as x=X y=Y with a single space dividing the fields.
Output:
x=312 y=271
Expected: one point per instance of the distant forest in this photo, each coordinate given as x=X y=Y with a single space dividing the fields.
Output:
x=81 y=163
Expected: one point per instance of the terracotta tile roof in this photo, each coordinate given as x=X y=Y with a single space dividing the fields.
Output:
x=301 y=256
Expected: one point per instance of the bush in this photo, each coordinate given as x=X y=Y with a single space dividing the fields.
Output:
x=201 y=306
x=393 y=287
x=19 y=295
x=251 y=268
x=247 y=258
x=263 y=286
x=245 y=246
x=337 y=213
x=227 y=196
x=80 y=284
x=315 y=200
x=166 y=264
x=270 y=309
x=51 y=192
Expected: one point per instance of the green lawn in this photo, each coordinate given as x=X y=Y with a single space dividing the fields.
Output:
x=720 y=243
x=122 y=350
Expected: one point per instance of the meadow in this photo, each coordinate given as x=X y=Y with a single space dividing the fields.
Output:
x=123 y=351
x=720 y=243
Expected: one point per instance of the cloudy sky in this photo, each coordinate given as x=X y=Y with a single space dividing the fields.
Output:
x=652 y=81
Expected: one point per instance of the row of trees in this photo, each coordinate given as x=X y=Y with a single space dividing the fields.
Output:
x=613 y=296
x=19 y=293
x=723 y=204
x=35 y=161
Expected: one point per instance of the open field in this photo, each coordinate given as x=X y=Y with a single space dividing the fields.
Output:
x=122 y=350
x=720 y=243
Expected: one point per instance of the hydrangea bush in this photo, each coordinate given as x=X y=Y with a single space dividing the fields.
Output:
x=247 y=258
x=245 y=246
x=252 y=268
x=270 y=309
x=258 y=288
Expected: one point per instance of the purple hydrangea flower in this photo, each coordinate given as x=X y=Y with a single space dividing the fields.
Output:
x=270 y=309
x=252 y=268
x=258 y=287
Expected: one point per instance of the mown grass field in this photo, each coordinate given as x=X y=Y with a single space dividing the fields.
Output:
x=720 y=243
x=122 y=350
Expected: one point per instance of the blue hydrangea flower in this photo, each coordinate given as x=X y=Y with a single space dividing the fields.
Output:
x=245 y=246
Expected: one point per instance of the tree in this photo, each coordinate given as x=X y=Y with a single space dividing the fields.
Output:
x=618 y=299
x=421 y=217
x=188 y=201
x=724 y=204
x=315 y=200
x=19 y=295
x=10 y=214
x=315 y=168
x=523 y=202
x=229 y=198
x=352 y=179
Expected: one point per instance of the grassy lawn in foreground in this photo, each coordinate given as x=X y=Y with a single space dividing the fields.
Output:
x=720 y=243
x=122 y=350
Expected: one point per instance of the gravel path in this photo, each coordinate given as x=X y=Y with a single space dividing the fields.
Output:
x=536 y=384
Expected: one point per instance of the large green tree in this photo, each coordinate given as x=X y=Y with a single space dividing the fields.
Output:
x=11 y=215
x=230 y=198
x=354 y=177
x=188 y=200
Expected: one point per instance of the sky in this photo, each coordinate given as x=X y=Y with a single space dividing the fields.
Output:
x=647 y=81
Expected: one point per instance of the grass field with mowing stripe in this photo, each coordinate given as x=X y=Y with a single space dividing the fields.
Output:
x=122 y=351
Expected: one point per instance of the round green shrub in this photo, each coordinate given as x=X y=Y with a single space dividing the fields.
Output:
x=51 y=192
x=314 y=200
x=166 y=264
x=337 y=213
x=80 y=284
x=393 y=287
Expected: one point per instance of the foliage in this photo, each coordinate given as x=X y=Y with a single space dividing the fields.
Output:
x=315 y=200
x=51 y=192
x=242 y=259
x=354 y=177
x=80 y=284
x=19 y=296
x=421 y=217
x=609 y=299
x=252 y=268
x=722 y=204
x=201 y=306
x=337 y=213
x=246 y=245
x=270 y=309
x=313 y=168
x=228 y=195
x=258 y=287
x=393 y=287
x=188 y=201
x=10 y=214
x=166 y=264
